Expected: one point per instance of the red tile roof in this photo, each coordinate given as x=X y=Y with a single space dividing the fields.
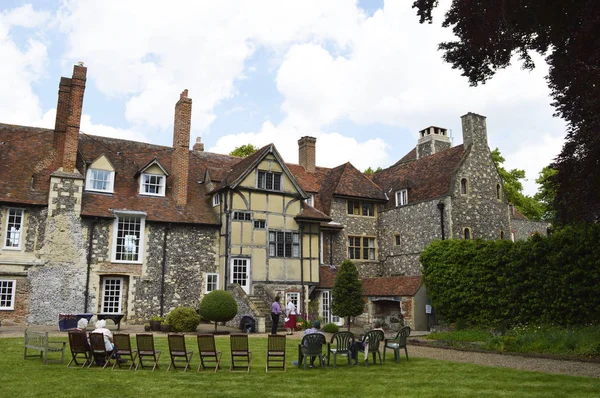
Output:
x=426 y=178
x=326 y=277
x=392 y=286
x=310 y=213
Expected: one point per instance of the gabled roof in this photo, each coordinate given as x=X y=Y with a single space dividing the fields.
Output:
x=151 y=163
x=426 y=178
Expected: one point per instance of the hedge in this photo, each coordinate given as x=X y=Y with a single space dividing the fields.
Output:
x=553 y=279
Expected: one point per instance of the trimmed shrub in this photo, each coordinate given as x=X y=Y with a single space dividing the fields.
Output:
x=183 y=319
x=218 y=306
x=331 y=328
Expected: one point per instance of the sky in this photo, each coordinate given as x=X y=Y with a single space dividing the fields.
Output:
x=363 y=77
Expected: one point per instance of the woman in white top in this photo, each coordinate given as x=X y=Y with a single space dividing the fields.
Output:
x=101 y=328
x=290 y=314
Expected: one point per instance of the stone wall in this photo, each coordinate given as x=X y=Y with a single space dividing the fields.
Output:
x=244 y=308
x=21 y=305
x=417 y=225
x=353 y=226
x=524 y=229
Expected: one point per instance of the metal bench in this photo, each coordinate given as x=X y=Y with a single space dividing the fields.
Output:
x=39 y=341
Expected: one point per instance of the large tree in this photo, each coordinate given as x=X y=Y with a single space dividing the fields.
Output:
x=346 y=296
x=491 y=32
x=244 y=150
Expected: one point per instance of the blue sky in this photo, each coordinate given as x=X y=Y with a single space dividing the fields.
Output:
x=363 y=77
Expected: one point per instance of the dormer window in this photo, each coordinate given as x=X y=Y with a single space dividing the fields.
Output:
x=401 y=197
x=99 y=180
x=269 y=181
x=310 y=200
x=152 y=184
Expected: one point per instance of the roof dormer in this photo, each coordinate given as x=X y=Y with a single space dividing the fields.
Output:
x=100 y=176
x=153 y=179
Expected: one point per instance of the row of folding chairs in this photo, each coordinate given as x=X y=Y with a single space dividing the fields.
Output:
x=84 y=354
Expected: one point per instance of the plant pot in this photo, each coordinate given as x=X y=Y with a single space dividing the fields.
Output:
x=155 y=326
x=147 y=328
x=165 y=328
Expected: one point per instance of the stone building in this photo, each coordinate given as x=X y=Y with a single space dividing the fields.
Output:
x=100 y=225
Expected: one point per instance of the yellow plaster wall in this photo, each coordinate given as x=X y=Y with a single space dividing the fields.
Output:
x=154 y=169
x=102 y=163
x=276 y=269
x=259 y=260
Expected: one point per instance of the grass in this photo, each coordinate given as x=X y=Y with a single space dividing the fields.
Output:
x=583 y=341
x=417 y=377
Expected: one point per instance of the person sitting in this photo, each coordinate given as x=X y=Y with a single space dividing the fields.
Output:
x=363 y=345
x=315 y=329
x=82 y=324
x=108 y=343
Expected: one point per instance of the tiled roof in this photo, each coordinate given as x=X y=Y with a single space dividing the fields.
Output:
x=426 y=178
x=382 y=286
x=516 y=214
x=239 y=168
x=412 y=155
x=310 y=213
x=392 y=286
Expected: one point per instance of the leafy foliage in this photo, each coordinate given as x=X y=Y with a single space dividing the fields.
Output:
x=370 y=171
x=554 y=280
x=331 y=328
x=490 y=32
x=513 y=188
x=346 y=295
x=546 y=193
x=218 y=306
x=244 y=150
x=183 y=319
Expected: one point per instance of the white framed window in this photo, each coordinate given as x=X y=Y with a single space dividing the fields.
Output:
x=401 y=197
x=211 y=282
x=310 y=200
x=295 y=298
x=112 y=295
x=361 y=248
x=260 y=224
x=326 y=309
x=240 y=273
x=152 y=184
x=99 y=180
x=7 y=294
x=284 y=244
x=242 y=216
x=128 y=237
x=269 y=181
x=216 y=199
x=14 y=228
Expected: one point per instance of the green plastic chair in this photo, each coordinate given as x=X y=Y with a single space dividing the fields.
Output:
x=340 y=345
x=373 y=339
x=398 y=342
x=311 y=346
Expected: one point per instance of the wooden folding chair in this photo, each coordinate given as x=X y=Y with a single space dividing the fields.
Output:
x=99 y=353
x=145 y=348
x=276 y=352
x=208 y=351
x=80 y=347
x=239 y=349
x=123 y=350
x=178 y=352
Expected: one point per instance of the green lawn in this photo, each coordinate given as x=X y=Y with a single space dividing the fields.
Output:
x=415 y=378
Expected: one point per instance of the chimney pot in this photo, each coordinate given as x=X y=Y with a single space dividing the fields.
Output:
x=184 y=94
x=198 y=146
x=307 y=153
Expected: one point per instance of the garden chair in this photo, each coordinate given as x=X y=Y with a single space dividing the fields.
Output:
x=208 y=351
x=373 y=340
x=239 y=349
x=178 y=352
x=80 y=347
x=145 y=348
x=398 y=342
x=311 y=346
x=340 y=345
x=123 y=350
x=276 y=352
x=99 y=353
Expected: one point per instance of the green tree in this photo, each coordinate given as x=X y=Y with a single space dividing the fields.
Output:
x=244 y=150
x=218 y=306
x=546 y=193
x=369 y=171
x=490 y=32
x=346 y=296
x=513 y=188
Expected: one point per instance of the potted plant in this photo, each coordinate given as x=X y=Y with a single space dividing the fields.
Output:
x=165 y=327
x=147 y=327
x=155 y=323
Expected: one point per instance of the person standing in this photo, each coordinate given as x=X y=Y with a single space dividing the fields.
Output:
x=290 y=314
x=275 y=313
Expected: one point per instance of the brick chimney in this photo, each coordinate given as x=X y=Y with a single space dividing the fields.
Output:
x=474 y=130
x=73 y=121
x=181 y=148
x=62 y=114
x=306 y=153
x=199 y=146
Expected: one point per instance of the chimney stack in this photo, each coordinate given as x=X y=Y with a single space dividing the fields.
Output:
x=181 y=148
x=199 y=146
x=474 y=130
x=306 y=153
x=432 y=140
x=62 y=114
x=73 y=121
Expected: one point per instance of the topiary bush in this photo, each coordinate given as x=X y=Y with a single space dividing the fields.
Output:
x=183 y=319
x=218 y=306
x=331 y=328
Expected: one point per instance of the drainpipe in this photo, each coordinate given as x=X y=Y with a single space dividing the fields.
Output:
x=330 y=248
x=301 y=272
x=89 y=264
x=440 y=206
x=163 y=271
x=227 y=238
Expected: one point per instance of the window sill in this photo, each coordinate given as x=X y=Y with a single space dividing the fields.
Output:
x=157 y=195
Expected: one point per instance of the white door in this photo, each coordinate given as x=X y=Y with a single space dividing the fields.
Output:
x=326 y=309
x=240 y=273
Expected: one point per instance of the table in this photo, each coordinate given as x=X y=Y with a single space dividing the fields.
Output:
x=69 y=321
x=116 y=318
